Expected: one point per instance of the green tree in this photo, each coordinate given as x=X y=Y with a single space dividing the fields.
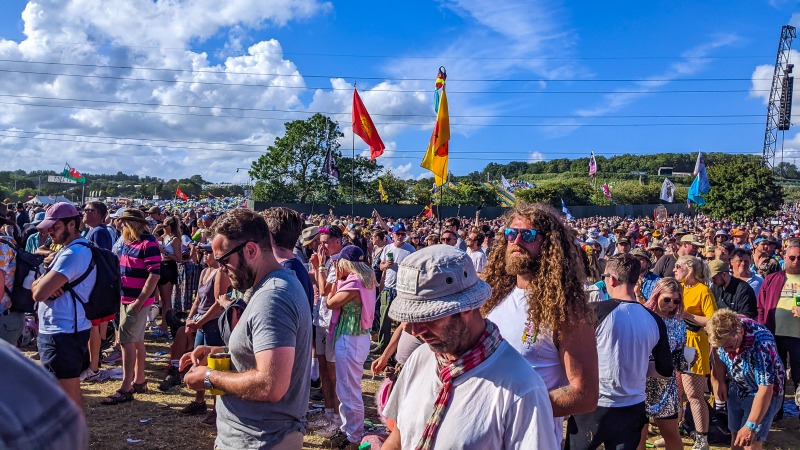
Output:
x=358 y=175
x=468 y=192
x=291 y=169
x=742 y=191
x=397 y=190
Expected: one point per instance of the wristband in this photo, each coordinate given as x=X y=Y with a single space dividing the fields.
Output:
x=752 y=426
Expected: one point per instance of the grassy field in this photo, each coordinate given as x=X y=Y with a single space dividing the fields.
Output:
x=152 y=421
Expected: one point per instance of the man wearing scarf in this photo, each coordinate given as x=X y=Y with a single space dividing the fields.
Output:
x=485 y=395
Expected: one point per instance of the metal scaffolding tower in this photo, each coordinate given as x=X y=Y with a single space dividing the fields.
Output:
x=780 y=96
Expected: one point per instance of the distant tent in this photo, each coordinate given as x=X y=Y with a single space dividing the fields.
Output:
x=47 y=200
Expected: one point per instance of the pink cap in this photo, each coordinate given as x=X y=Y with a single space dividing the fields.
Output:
x=57 y=211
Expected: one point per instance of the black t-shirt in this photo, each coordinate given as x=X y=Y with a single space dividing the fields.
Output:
x=738 y=296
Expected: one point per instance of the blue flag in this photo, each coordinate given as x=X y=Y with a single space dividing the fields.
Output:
x=566 y=211
x=700 y=185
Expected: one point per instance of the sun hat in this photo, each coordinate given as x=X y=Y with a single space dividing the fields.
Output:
x=309 y=234
x=154 y=210
x=351 y=253
x=690 y=239
x=117 y=213
x=656 y=234
x=56 y=211
x=718 y=266
x=133 y=214
x=436 y=282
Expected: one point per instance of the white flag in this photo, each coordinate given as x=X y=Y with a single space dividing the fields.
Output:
x=667 y=191
x=505 y=182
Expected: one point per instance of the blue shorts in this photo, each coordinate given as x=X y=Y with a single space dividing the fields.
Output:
x=739 y=410
x=209 y=335
x=65 y=355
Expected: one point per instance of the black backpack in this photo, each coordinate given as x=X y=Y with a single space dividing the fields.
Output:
x=106 y=295
x=22 y=298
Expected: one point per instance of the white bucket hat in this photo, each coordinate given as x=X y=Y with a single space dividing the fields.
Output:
x=436 y=282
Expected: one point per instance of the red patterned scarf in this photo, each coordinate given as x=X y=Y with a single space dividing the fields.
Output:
x=449 y=371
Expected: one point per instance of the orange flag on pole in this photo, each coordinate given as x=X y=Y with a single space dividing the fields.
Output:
x=363 y=127
x=179 y=193
x=437 y=154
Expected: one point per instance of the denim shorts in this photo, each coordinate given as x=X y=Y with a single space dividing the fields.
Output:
x=65 y=355
x=739 y=410
x=209 y=334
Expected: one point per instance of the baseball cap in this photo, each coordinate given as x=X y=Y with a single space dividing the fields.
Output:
x=718 y=266
x=37 y=218
x=56 y=211
x=623 y=241
x=399 y=227
x=351 y=253
x=638 y=251
x=436 y=282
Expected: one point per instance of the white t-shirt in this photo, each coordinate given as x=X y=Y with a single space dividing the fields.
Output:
x=399 y=254
x=321 y=316
x=604 y=243
x=510 y=316
x=501 y=404
x=625 y=341
x=478 y=258
x=58 y=316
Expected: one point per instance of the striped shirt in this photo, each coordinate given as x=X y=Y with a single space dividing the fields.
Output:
x=138 y=260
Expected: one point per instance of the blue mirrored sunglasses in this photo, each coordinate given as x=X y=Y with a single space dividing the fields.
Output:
x=528 y=235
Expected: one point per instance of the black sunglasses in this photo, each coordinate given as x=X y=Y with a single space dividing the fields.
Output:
x=528 y=234
x=675 y=300
x=792 y=258
x=223 y=260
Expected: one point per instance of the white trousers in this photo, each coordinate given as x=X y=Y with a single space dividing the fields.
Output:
x=351 y=352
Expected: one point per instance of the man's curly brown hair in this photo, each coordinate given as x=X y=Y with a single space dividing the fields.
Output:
x=556 y=297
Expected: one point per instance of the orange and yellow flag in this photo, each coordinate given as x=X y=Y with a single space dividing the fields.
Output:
x=364 y=128
x=436 y=156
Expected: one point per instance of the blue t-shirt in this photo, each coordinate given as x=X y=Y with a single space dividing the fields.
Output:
x=100 y=236
x=58 y=316
x=300 y=270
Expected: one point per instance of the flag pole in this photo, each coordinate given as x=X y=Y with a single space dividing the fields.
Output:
x=353 y=173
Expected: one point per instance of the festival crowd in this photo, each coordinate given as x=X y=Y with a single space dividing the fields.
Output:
x=526 y=332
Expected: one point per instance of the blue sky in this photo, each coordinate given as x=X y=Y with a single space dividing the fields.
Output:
x=527 y=80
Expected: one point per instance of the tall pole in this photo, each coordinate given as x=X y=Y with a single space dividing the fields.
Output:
x=353 y=172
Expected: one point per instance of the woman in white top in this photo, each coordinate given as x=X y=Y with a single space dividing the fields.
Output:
x=171 y=255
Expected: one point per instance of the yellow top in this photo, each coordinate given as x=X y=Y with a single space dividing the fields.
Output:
x=786 y=324
x=699 y=300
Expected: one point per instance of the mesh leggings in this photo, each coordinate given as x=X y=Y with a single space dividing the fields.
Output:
x=695 y=388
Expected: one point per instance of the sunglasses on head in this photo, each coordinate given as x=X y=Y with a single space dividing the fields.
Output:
x=223 y=260
x=528 y=234
x=675 y=300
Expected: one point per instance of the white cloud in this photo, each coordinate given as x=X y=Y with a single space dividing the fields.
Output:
x=692 y=63
x=172 y=127
x=535 y=157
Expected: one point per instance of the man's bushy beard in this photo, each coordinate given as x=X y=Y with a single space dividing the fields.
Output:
x=522 y=263
x=243 y=277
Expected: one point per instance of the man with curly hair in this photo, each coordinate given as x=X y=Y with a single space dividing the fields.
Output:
x=538 y=303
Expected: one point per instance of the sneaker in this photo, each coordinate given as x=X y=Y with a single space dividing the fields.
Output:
x=194 y=408
x=317 y=395
x=337 y=439
x=331 y=429
x=113 y=358
x=90 y=375
x=700 y=442
x=660 y=442
x=318 y=420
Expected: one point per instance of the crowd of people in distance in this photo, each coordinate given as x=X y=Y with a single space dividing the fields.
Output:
x=524 y=331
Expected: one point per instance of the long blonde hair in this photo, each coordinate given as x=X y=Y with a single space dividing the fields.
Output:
x=361 y=270
x=133 y=230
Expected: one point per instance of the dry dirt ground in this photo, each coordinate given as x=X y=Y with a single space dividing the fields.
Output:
x=153 y=420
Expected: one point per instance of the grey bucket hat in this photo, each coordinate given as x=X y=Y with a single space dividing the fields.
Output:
x=436 y=282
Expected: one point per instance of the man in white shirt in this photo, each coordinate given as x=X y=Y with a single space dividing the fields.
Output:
x=627 y=335
x=485 y=395
x=474 y=242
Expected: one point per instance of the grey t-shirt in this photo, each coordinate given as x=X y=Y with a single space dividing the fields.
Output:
x=276 y=316
x=398 y=253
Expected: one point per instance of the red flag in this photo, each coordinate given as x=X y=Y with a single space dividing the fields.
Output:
x=428 y=211
x=179 y=193
x=363 y=127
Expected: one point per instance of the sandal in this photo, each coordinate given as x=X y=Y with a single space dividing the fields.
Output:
x=119 y=397
x=140 y=388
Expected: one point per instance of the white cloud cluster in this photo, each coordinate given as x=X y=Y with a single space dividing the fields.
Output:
x=133 y=61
